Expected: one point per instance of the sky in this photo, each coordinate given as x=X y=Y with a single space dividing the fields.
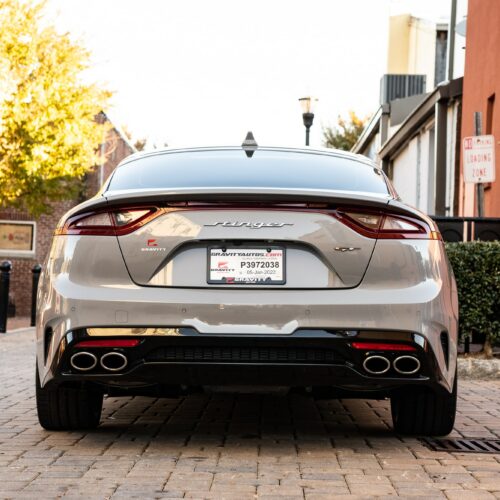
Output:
x=198 y=72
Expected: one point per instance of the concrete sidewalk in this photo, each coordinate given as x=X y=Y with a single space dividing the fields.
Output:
x=234 y=446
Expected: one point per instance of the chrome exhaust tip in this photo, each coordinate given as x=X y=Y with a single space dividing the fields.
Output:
x=83 y=361
x=406 y=365
x=376 y=365
x=114 y=361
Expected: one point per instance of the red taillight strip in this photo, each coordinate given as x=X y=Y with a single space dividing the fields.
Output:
x=109 y=343
x=424 y=231
x=376 y=346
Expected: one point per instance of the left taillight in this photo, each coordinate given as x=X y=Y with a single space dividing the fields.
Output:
x=115 y=222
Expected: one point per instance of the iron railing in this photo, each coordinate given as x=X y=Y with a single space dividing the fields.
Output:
x=469 y=228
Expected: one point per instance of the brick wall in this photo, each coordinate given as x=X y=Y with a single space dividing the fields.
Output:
x=482 y=93
x=21 y=276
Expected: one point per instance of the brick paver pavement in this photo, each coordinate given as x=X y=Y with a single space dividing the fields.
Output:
x=234 y=446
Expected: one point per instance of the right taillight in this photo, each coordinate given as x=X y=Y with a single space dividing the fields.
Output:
x=382 y=225
x=114 y=222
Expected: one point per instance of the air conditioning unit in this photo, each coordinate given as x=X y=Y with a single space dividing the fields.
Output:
x=400 y=86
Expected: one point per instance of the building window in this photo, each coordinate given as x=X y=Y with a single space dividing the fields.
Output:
x=17 y=238
x=489 y=114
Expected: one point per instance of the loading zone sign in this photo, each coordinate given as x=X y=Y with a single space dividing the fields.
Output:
x=479 y=158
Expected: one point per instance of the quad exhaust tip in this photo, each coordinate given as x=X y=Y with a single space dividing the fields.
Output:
x=406 y=365
x=376 y=365
x=114 y=361
x=83 y=361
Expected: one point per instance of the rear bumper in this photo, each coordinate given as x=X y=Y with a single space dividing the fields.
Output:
x=412 y=291
x=320 y=358
x=256 y=314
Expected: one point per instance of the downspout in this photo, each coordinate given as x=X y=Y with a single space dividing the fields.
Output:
x=451 y=40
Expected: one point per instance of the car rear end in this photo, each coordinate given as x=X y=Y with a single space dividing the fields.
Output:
x=316 y=277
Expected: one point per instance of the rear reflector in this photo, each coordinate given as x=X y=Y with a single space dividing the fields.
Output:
x=109 y=343
x=375 y=346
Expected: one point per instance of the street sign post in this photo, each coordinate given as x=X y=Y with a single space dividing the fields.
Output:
x=479 y=159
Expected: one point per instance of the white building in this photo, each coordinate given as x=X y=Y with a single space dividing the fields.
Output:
x=415 y=133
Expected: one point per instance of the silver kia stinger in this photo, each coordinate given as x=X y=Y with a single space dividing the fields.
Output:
x=248 y=266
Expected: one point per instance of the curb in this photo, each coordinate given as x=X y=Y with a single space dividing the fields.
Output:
x=478 y=369
x=19 y=330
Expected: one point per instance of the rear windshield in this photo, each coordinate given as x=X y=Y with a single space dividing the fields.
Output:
x=232 y=168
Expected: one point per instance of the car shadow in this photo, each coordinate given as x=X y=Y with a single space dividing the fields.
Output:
x=245 y=419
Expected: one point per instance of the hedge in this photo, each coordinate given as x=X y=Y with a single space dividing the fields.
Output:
x=476 y=266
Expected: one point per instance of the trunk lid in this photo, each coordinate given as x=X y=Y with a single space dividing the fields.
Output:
x=172 y=250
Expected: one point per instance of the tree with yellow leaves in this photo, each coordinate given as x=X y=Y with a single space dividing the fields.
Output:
x=48 y=134
x=345 y=134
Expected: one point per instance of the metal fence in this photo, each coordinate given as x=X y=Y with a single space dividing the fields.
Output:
x=469 y=228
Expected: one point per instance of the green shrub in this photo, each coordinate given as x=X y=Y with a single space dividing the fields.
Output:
x=477 y=270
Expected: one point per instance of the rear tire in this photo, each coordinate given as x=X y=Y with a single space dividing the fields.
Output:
x=67 y=408
x=424 y=412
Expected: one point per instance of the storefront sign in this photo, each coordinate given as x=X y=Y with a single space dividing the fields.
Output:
x=17 y=238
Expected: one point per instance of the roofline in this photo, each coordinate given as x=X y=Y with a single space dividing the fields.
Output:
x=370 y=130
x=418 y=117
x=120 y=133
x=317 y=151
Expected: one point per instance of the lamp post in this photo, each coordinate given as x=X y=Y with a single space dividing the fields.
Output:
x=307 y=104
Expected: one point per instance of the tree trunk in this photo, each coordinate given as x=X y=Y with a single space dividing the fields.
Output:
x=487 y=348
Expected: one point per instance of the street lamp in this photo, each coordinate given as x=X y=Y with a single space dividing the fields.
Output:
x=307 y=104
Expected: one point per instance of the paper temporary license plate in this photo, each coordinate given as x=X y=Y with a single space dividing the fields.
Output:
x=246 y=266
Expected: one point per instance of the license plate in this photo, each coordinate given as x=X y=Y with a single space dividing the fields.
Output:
x=246 y=266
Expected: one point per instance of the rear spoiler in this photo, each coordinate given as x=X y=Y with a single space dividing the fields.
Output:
x=247 y=195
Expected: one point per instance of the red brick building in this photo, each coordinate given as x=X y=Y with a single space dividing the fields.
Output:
x=481 y=92
x=114 y=149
